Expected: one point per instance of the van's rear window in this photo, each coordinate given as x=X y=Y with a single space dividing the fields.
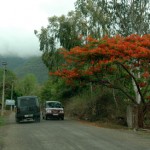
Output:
x=27 y=102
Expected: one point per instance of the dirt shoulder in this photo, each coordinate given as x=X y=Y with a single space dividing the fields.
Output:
x=111 y=125
x=2 y=135
x=3 y=122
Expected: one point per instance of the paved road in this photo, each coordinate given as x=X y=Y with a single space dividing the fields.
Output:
x=68 y=135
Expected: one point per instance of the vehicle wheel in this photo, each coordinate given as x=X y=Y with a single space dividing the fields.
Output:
x=62 y=118
x=17 y=120
x=37 y=119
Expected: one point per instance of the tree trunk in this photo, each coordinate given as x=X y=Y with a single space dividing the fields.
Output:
x=140 y=116
x=135 y=116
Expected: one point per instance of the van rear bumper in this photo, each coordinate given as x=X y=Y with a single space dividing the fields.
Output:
x=27 y=116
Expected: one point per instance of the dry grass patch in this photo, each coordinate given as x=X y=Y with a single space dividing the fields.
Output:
x=102 y=124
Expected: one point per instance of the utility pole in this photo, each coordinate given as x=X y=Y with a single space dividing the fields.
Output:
x=12 y=88
x=3 y=91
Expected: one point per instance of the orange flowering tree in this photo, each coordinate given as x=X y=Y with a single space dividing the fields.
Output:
x=118 y=62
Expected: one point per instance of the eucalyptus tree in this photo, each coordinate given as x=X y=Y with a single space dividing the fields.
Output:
x=67 y=31
x=112 y=17
x=130 y=17
x=60 y=33
x=96 y=15
x=47 y=46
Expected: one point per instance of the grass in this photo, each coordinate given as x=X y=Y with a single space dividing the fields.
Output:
x=2 y=122
x=102 y=124
x=2 y=118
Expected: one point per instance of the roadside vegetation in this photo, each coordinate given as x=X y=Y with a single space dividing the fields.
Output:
x=3 y=118
x=98 y=61
x=104 y=44
x=1 y=121
x=98 y=106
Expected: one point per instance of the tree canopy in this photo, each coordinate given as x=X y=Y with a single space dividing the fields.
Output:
x=111 y=60
x=97 y=18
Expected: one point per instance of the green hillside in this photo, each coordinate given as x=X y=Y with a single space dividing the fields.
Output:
x=23 y=66
x=35 y=66
x=13 y=61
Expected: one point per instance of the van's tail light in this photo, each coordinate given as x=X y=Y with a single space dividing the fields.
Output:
x=18 y=110
x=38 y=108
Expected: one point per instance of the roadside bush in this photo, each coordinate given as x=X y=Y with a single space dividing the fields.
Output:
x=98 y=106
x=78 y=106
x=1 y=120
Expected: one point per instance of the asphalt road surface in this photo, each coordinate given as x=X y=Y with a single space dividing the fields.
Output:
x=68 y=135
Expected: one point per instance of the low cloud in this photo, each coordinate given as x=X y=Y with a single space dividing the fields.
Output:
x=18 y=42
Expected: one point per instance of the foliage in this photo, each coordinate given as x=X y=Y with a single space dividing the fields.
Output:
x=61 y=31
x=33 y=65
x=27 y=85
x=56 y=89
x=1 y=121
x=130 y=17
x=113 y=17
x=98 y=106
x=95 y=17
x=10 y=77
x=115 y=62
x=22 y=66
x=111 y=61
x=91 y=17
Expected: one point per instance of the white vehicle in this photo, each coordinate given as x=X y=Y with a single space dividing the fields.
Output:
x=53 y=109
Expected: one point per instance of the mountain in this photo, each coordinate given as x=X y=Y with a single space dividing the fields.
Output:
x=13 y=61
x=23 y=66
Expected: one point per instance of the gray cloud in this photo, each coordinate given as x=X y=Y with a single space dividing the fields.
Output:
x=17 y=41
x=21 y=18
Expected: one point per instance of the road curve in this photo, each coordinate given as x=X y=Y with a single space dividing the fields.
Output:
x=68 y=135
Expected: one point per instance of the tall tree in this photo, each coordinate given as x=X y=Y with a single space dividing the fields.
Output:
x=130 y=17
x=112 y=62
x=96 y=15
x=27 y=85
x=60 y=32
x=10 y=78
x=92 y=17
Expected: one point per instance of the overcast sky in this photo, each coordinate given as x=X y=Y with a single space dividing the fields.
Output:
x=19 y=19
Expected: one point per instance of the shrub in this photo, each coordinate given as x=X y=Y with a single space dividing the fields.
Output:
x=93 y=107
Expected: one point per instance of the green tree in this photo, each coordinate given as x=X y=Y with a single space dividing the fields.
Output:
x=96 y=16
x=92 y=17
x=113 y=62
x=57 y=89
x=10 y=78
x=130 y=17
x=27 y=85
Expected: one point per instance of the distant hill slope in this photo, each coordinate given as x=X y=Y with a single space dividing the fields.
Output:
x=23 y=66
x=13 y=61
